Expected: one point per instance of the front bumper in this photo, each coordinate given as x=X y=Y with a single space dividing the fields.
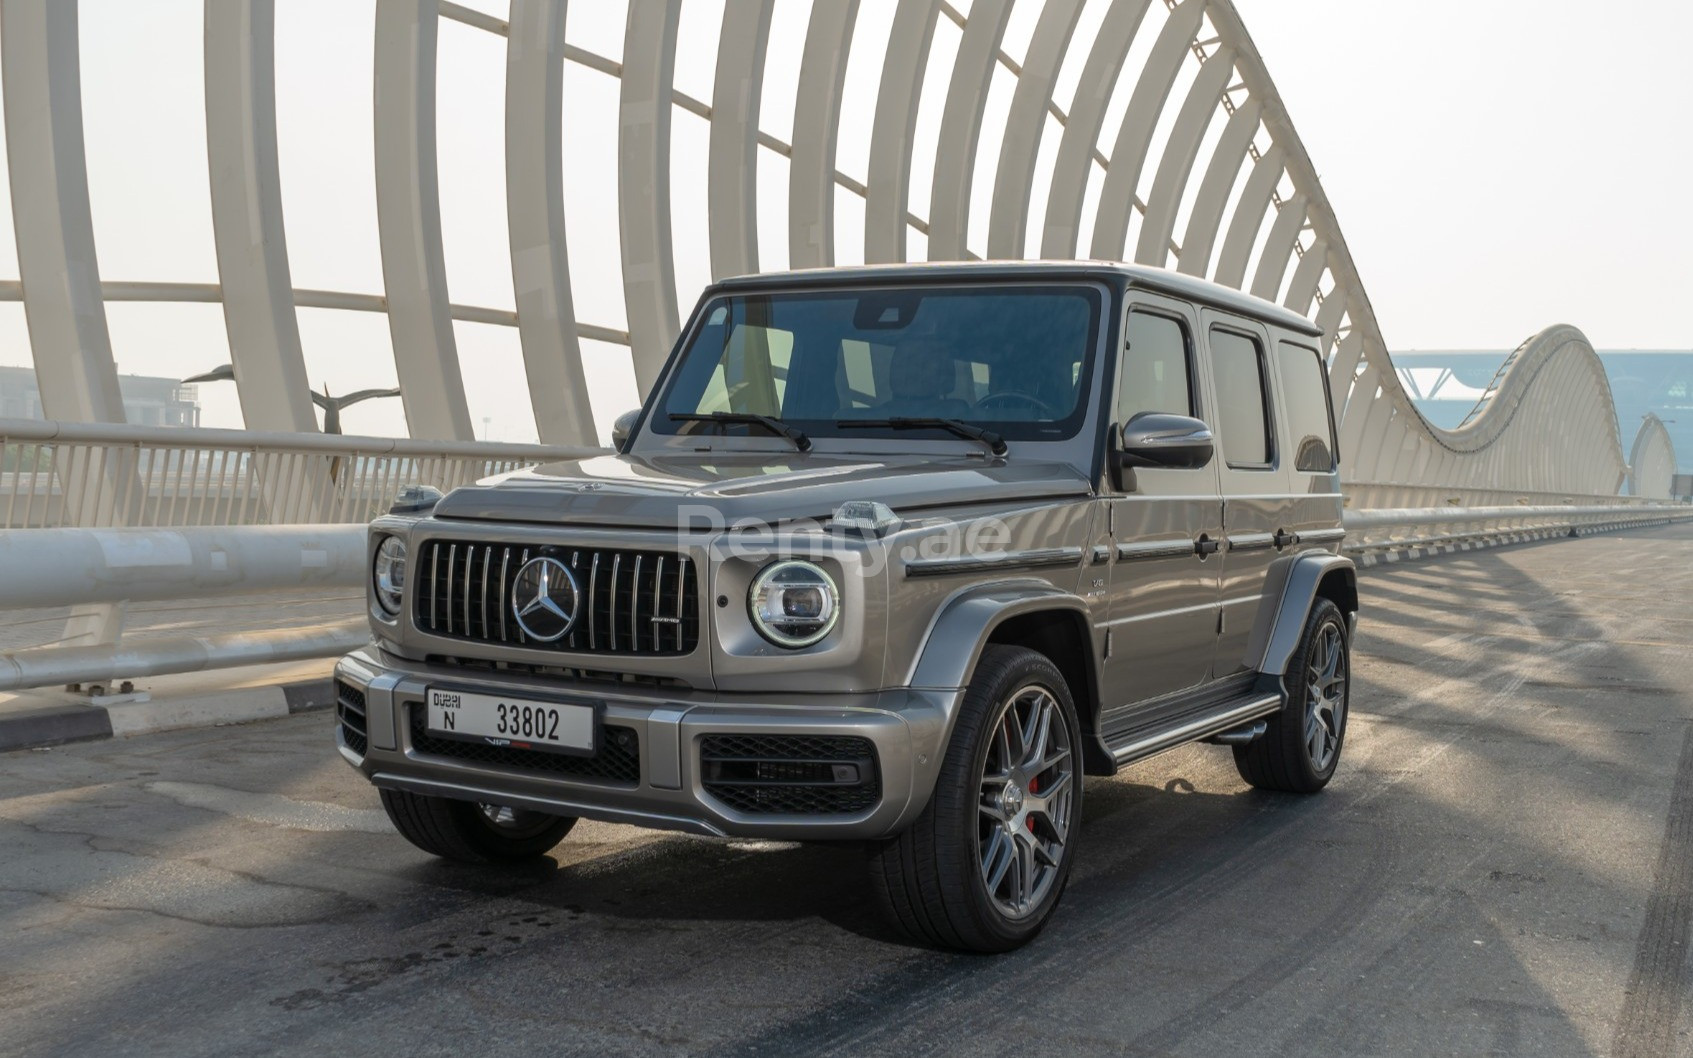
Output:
x=906 y=726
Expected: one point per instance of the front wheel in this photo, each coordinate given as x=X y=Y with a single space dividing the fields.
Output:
x=1299 y=751
x=984 y=866
x=473 y=833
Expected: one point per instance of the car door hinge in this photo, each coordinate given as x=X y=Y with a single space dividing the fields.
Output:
x=1107 y=653
x=1219 y=622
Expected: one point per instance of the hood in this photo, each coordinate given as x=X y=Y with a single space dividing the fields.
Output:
x=721 y=488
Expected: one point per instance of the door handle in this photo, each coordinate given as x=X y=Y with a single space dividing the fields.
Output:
x=1206 y=546
x=1283 y=538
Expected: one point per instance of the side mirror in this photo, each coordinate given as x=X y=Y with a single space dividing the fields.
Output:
x=1158 y=439
x=621 y=428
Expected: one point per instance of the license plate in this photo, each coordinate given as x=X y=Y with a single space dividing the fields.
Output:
x=519 y=723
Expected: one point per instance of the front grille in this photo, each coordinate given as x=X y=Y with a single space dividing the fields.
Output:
x=618 y=759
x=350 y=714
x=630 y=602
x=791 y=774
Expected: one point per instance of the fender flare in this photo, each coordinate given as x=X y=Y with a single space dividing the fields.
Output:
x=1290 y=590
x=953 y=643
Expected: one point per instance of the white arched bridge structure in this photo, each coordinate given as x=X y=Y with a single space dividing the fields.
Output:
x=1140 y=130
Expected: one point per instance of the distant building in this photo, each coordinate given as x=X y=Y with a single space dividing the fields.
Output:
x=147 y=401
x=1446 y=385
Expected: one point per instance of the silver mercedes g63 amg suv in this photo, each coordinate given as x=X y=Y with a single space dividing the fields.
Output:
x=891 y=554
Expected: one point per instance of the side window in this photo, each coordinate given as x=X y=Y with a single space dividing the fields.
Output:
x=1155 y=367
x=1242 y=393
x=1308 y=419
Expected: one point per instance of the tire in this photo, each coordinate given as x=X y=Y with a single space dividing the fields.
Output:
x=933 y=880
x=473 y=833
x=1301 y=748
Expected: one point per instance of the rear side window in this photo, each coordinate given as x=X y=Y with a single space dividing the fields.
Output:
x=1238 y=364
x=1155 y=372
x=1308 y=420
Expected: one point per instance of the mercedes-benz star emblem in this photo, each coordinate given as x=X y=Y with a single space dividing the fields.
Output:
x=544 y=599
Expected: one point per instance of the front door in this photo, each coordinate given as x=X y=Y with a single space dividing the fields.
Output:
x=1257 y=514
x=1164 y=580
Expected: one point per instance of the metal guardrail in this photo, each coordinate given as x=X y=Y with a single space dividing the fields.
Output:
x=96 y=475
x=60 y=567
x=1392 y=528
x=74 y=567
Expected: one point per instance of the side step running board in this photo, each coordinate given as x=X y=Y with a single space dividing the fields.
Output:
x=1240 y=736
x=1204 y=727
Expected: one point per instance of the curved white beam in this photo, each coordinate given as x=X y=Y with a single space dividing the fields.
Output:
x=48 y=172
x=1008 y=222
x=961 y=129
x=408 y=219
x=1278 y=247
x=894 y=129
x=252 y=247
x=1302 y=288
x=540 y=265
x=1249 y=210
x=1134 y=137
x=1207 y=216
x=643 y=156
x=1180 y=150
x=817 y=118
x=1078 y=146
x=1651 y=461
x=732 y=158
x=1328 y=318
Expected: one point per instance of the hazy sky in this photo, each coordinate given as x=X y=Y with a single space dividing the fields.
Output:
x=1497 y=166
x=1500 y=165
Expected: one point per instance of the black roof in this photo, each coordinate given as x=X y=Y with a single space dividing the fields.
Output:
x=1162 y=280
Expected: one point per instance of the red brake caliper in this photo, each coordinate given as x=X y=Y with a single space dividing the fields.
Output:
x=1030 y=821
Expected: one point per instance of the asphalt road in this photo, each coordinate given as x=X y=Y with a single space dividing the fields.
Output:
x=1504 y=865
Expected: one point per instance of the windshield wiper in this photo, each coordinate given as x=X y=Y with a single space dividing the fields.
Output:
x=775 y=426
x=995 y=443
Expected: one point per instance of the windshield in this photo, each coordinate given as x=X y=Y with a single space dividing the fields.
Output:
x=1014 y=360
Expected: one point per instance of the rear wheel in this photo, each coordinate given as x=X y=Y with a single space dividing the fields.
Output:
x=1301 y=747
x=984 y=866
x=473 y=833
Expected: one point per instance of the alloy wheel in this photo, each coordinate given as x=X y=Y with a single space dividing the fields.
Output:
x=1325 y=697
x=1027 y=791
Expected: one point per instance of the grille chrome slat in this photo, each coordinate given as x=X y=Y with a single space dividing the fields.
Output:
x=575 y=564
x=434 y=573
x=455 y=603
x=469 y=564
x=683 y=569
x=658 y=586
x=487 y=559
x=635 y=608
x=505 y=564
x=593 y=595
x=611 y=619
x=452 y=556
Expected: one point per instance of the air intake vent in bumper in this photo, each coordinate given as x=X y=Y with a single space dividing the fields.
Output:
x=350 y=715
x=791 y=774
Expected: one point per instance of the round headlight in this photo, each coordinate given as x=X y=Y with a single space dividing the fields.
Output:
x=388 y=575
x=793 y=603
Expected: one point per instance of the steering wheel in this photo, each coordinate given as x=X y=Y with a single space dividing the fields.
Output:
x=1008 y=397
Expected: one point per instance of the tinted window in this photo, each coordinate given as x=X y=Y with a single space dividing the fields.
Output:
x=1012 y=359
x=1155 y=371
x=1307 y=408
x=1239 y=367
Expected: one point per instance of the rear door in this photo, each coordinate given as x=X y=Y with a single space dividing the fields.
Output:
x=1162 y=591
x=1308 y=413
x=1257 y=501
